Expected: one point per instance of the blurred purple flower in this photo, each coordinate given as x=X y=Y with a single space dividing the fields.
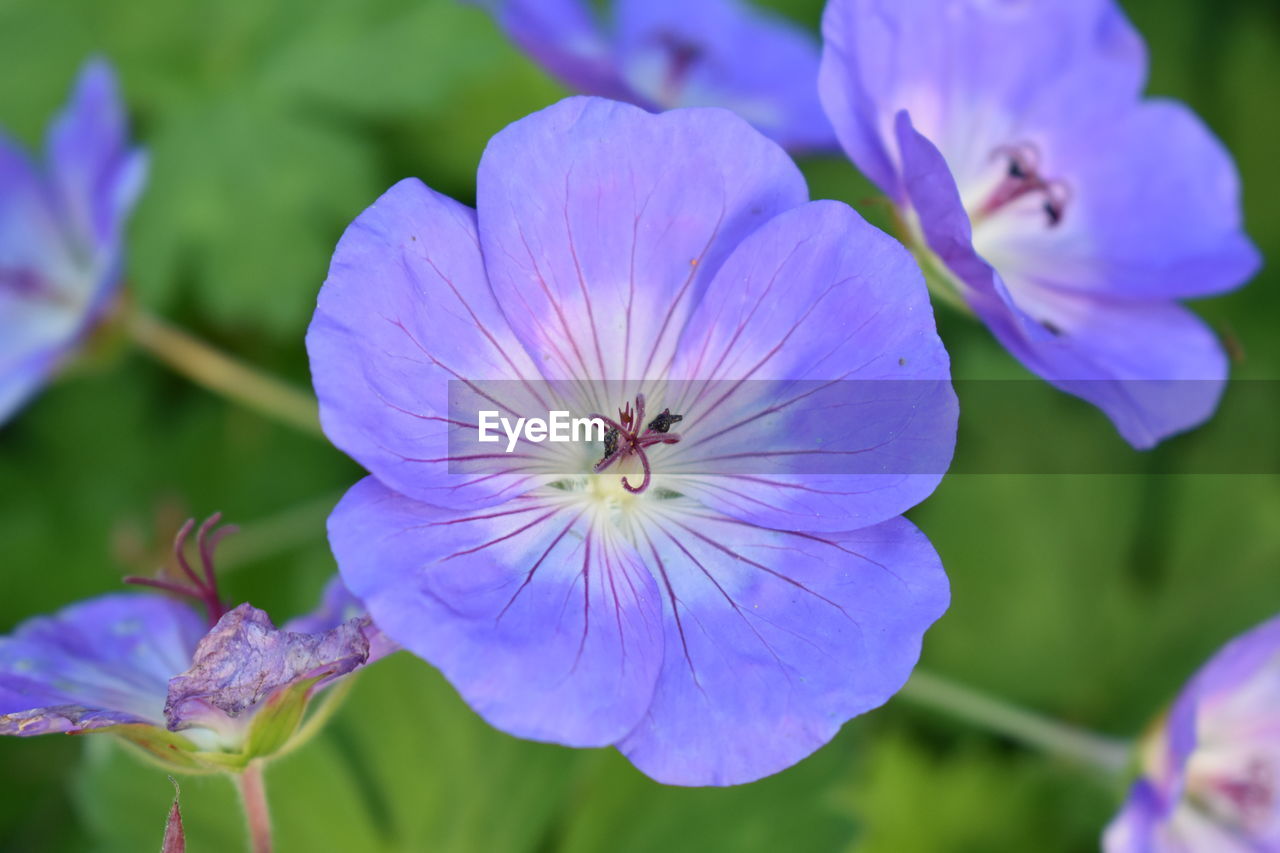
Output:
x=61 y=232
x=716 y=626
x=661 y=54
x=147 y=667
x=1211 y=768
x=1066 y=211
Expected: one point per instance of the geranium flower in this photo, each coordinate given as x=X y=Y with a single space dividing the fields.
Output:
x=661 y=54
x=149 y=669
x=725 y=579
x=1067 y=212
x=1210 y=770
x=61 y=232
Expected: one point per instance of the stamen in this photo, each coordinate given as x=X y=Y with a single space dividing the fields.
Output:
x=639 y=417
x=623 y=438
x=1253 y=794
x=207 y=540
x=203 y=589
x=1023 y=178
x=178 y=552
x=1057 y=195
x=664 y=421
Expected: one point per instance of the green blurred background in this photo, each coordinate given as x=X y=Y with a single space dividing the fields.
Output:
x=271 y=125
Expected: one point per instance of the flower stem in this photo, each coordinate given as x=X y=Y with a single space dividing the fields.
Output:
x=221 y=373
x=1029 y=728
x=943 y=290
x=253 y=795
x=286 y=531
x=942 y=283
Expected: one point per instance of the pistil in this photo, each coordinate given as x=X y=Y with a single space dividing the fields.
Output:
x=203 y=587
x=625 y=437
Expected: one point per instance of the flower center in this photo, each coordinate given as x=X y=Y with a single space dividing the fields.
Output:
x=629 y=435
x=27 y=284
x=1022 y=179
x=1239 y=789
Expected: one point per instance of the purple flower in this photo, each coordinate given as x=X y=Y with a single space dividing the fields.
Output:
x=1211 y=768
x=1068 y=213
x=150 y=670
x=661 y=54
x=656 y=592
x=61 y=230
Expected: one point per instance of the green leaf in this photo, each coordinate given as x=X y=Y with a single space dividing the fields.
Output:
x=969 y=798
x=168 y=750
x=437 y=776
x=615 y=807
x=235 y=208
x=382 y=59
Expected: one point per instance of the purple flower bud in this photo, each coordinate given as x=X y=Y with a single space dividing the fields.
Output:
x=1210 y=769
x=175 y=836
x=1067 y=212
x=61 y=232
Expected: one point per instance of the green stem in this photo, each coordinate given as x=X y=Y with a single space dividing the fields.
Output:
x=288 y=530
x=253 y=795
x=941 y=285
x=223 y=374
x=941 y=282
x=1027 y=727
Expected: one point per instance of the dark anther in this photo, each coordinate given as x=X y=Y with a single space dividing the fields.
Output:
x=1057 y=195
x=663 y=422
x=1023 y=178
x=202 y=585
x=1052 y=328
x=610 y=443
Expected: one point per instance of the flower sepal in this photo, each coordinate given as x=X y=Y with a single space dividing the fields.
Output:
x=275 y=729
x=275 y=726
x=169 y=750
